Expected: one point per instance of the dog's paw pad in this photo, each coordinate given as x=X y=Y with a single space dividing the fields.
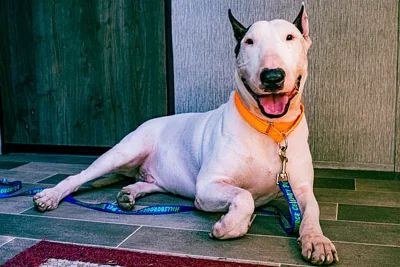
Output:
x=228 y=227
x=125 y=200
x=46 y=200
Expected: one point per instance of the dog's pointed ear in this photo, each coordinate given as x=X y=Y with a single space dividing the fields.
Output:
x=301 y=22
x=238 y=29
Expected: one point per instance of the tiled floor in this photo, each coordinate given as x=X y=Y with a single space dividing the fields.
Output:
x=360 y=212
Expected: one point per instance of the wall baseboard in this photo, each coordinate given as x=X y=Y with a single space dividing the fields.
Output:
x=354 y=166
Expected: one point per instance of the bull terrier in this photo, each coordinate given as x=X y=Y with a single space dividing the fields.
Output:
x=227 y=159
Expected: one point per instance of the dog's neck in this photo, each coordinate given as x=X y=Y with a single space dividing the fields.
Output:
x=276 y=131
x=251 y=105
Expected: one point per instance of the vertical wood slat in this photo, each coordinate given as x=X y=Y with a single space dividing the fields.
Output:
x=353 y=82
x=19 y=122
x=5 y=74
x=397 y=122
x=350 y=94
x=92 y=70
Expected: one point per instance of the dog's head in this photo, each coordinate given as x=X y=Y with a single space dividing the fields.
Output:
x=271 y=61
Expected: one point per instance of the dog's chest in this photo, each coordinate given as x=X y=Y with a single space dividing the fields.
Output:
x=257 y=173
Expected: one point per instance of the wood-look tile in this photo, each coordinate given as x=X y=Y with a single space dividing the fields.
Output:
x=8 y=165
x=334 y=183
x=14 y=247
x=25 y=176
x=369 y=213
x=256 y=248
x=335 y=230
x=52 y=167
x=388 y=199
x=357 y=232
x=54 y=179
x=353 y=174
x=267 y=225
x=366 y=255
x=15 y=205
x=377 y=185
x=327 y=210
x=5 y=239
x=250 y=247
x=83 y=232
x=51 y=158
x=196 y=220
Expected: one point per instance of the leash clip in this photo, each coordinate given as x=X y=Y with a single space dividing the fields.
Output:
x=283 y=176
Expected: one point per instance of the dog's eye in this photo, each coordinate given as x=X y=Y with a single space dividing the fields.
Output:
x=289 y=37
x=249 y=41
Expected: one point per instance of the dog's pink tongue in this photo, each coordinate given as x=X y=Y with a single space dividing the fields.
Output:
x=274 y=104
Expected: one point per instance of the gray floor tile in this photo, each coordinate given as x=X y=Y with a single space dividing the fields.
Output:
x=84 y=232
x=388 y=199
x=25 y=176
x=369 y=213
x=337 y=231
x=53 y=158
x=367 y=255
x=334 y=183
x=327 y=210
x=377 y=185
x=54 y=179
x=186 y=220
x=267 y=225
x=15 y=205
x=7 y=165
x=5 y=239
x=372 y=233
x=14 y=247
x=258 y=248
x=359 y=243
x=52 y=167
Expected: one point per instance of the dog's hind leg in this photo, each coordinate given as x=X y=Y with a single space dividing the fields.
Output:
x=220 y=197
x=129 y=153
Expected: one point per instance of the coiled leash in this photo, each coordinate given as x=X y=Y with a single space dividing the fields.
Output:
x=12 y=189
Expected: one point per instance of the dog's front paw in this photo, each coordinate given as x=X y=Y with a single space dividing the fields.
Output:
x=228 y=227
x=125 y=199
x=318 y=249
x=46 y=200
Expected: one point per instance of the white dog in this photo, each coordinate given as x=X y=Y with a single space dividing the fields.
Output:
x=219 y=158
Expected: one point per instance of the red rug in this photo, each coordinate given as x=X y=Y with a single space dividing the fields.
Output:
x=44 y=250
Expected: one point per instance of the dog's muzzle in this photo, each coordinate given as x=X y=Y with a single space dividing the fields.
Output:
x=274 y=104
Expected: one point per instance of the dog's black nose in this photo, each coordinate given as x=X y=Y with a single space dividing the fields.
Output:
x=272 y=79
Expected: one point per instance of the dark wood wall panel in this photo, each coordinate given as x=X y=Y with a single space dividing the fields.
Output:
x=350 y=96
x=18 y=96
x=84 y=73
x=5 y=74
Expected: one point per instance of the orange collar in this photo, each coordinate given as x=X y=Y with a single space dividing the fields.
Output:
x=274 y=130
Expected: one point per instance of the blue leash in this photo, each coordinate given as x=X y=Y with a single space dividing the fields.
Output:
x=289 y=224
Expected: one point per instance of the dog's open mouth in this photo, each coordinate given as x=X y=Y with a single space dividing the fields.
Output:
x=274 y=105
